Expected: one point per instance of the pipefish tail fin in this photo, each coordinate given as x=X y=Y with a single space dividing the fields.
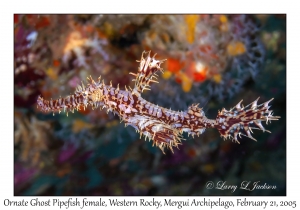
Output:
x=239 y=120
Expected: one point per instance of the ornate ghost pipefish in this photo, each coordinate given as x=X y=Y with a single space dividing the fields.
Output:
x=161 y=125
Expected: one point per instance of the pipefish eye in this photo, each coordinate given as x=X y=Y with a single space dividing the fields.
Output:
x=85 y=93
x=40 y=101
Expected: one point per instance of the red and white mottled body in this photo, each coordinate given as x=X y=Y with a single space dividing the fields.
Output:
x=163 y=126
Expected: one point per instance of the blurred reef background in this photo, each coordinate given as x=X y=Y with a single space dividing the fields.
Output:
x=214 y=60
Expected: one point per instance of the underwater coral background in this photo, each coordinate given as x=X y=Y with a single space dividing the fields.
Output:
x=214 y=60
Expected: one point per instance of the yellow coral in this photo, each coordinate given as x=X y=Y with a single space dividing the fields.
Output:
x=51 y=73
x=223 y=19
x=236 y=48
x=191 y=21
x=224 y=23
x=167 y=74
x=186 y=82
x=108 y=29
x=79 y=125
x=217 y=78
